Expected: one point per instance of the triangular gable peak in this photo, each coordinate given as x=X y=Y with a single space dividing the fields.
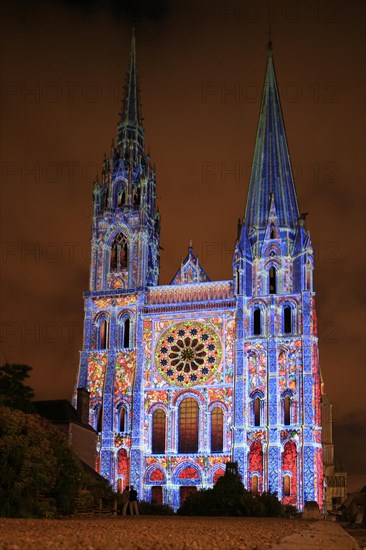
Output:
x=190 y=271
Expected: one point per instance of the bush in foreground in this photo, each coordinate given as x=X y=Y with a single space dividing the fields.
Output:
x=40 y=475
x=230 y=498
x=150 y=509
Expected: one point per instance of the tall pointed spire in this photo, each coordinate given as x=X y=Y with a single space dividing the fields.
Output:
x=130 y=131
x=131 y=104
x=271 y=170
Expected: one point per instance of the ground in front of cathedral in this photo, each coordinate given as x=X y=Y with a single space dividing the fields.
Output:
x=178 y=533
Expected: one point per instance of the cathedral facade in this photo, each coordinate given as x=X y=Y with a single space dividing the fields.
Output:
x=185 y=377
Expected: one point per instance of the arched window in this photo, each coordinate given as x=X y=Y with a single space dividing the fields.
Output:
x=158 y=431
x=122 y=419
x=123 y=466
x=237 y=281
x=126 y=332
x=99 y=419
x=254 y=484
x=119 y=251
x=287 y=320
x=272 y=234
x=272 y=280
x=188 y=426
x=103 y=334
x=289 y=469
x=287 y=410
x=257 y=321
x=255 y=466
x=286 y=485
x=217 y=430
x=257 y=411
x=217 y=474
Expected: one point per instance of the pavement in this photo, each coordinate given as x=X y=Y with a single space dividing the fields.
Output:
x=324 y=535
x=174 y=533
x=358 y=532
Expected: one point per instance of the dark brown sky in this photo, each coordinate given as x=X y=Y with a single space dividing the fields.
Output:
x=63 y=67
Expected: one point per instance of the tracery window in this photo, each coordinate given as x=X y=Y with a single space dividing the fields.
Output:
x=188 y=353
x=118 y=261
x=188 y=426
x=257 y=321
x=158 y=431
x=217 y=429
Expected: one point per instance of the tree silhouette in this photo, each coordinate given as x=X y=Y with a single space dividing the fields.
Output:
x=13 y=391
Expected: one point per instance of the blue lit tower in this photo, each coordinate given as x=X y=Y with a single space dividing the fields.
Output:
x=124 y=262
x=125 y=231
x=277 y=396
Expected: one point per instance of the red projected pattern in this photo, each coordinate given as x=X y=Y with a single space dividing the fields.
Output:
x=188 y=473
x=156 y=475
x=289 y=466
x=188 y=426
x=256 y=465
x=123 y=465
x=188 y=354
x=219 y=473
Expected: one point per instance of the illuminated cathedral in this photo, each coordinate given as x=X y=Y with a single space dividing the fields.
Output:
x=185 y=377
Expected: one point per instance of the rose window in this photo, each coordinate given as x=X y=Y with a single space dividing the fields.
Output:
x=188 y=354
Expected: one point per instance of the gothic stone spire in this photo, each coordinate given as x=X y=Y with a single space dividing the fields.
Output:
x=130 y=133
x=271 y=170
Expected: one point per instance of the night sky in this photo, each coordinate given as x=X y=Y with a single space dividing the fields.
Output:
x=201 y=69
